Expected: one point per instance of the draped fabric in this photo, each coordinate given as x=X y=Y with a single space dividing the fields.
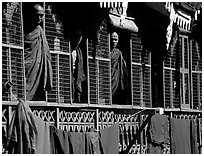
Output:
x=194 y=137
x=180 y=136
x=118 y=71
x=94 y=143
x=60 y=141
x=78 y=76
x=22 y=131
x=78 y=142
x=37 y=63
x=159 y=134
x=27 y=134
x=110 y=139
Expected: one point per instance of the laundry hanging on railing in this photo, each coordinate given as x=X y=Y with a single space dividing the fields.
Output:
x=194 y=137
x=65 y=142
x=158 y=133
x=110 y=139
x=60 y=141
x=180 y=134
x=29 y=134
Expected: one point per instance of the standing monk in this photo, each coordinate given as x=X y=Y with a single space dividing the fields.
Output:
x=77 y=68
x=38 y=67
x=118 y=71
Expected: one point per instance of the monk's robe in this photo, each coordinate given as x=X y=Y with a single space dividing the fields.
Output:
x=118 y=71
x=38 y=67
x=78 y=76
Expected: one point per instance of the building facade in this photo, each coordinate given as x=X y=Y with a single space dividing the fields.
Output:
x=164 y=69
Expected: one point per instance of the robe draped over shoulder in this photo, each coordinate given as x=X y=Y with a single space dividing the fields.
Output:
x=118 y=71
x=37 y=62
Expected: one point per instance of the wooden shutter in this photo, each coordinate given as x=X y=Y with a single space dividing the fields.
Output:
x=99 y=69
x=141 y=77
x=59 y=48
x=196 y=75
x=12 y=50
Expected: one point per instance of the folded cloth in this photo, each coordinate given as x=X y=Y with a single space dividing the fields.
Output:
x=180 y=136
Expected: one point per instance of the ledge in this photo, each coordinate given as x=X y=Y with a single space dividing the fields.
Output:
x=88 y=107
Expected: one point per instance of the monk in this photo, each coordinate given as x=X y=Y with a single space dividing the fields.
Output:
x=38 y=67
x=118 y=71
x=77 y=68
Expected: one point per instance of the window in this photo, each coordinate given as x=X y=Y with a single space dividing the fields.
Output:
x=59 y=48
x=196 y=75
x=184 y=72
x=183 y=68
x=99 y=69
x=171 y=77
x=141 y=76
x=12 y=51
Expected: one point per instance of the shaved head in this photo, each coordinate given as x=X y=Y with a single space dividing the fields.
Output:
x=114 y=35
x=114 y=39
x=39 y=9
x=38 y=14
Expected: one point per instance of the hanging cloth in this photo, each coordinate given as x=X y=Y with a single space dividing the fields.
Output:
x=60 y=141
x=27 y=134
x=78 y=142
x=94 y=144
x=110 y=139
x=194 y=137
x=180 y=136
x=159 y=133
x=37 y=63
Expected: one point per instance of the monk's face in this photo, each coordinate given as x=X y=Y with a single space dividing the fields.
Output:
x=114 y=40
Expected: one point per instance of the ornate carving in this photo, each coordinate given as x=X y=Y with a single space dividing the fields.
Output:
x=46 y=115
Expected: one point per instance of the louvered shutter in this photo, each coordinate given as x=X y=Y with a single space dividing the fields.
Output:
x=141 y=77
x=99 y=69
x=59 y=48
x=12 y=50
x=196 y=75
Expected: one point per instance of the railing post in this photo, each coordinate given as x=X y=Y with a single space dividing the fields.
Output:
x=141 y=136
x=96 y=124
x=9 y=114
x=57 y=116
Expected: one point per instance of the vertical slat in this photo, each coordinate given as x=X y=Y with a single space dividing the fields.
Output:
x=58 y=84
x=96 y=124
x=88 y=71
x=70 y=71
x=10 y=114
x=57 y=118
x=110 y=78
x=23 y=51
x=10 y=73
x=131 y=76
